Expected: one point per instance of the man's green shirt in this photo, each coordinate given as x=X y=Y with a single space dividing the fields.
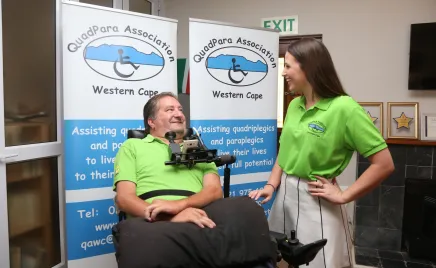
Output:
x=142 y=161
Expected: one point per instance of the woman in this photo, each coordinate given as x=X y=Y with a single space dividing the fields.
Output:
x=322 y=130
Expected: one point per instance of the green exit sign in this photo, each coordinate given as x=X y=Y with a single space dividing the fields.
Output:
x=286 y=25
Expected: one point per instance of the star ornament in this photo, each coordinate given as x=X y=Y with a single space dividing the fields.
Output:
x=373 y=119
x=403 y=121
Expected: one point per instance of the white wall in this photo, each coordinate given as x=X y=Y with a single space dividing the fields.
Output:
x=368 y=40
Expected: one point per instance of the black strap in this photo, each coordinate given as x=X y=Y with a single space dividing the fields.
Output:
x=155 y=193
x=122 y=215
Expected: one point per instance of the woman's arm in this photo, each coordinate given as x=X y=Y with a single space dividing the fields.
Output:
x=381 y=167
x=275 y=175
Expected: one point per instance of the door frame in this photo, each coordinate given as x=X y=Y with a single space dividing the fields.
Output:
x=21 y=153
x=14 y=154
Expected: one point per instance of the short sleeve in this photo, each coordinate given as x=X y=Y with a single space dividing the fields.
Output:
x=362 y=135
x=210 y=168
x=288 y=115
x=125 y=164
x=284 y=125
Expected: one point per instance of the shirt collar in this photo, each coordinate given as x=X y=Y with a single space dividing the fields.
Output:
x=322 y=104
x=150 y=138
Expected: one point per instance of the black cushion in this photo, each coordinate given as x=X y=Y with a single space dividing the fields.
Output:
x=136 y=133
x=241 y=237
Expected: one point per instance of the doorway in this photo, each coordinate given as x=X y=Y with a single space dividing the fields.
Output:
x=32 y=232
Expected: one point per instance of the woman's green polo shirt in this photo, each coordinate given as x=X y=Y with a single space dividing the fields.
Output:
x=321 y=140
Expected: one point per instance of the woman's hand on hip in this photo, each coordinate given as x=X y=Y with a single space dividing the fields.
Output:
x=266 y=193
x=326 y=189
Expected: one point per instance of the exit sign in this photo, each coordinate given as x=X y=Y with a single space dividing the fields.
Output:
x=286 y=25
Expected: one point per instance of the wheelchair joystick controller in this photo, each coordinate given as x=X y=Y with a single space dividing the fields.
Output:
x=294 y=240
x=197 y=152
x=293 y=251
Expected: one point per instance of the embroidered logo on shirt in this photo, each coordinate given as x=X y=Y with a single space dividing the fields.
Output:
x=317 y=127
x=117 y=170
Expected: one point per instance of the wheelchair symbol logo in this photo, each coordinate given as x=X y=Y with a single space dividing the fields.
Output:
x=124 y=58
x=236 y=66
x=121 y=61
x=234 y=69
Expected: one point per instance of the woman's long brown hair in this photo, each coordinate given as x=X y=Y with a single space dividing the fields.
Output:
x=317 y=64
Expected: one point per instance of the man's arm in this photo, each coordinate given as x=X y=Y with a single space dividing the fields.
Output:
x=127 y=201
x=211 y=191
x=125 y=180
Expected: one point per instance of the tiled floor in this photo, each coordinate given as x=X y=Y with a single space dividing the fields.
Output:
x=389 y=259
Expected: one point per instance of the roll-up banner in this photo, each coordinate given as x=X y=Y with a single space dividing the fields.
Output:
x=233 y=96
x=113 y=62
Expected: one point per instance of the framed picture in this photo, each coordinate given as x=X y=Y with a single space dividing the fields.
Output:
x=375 y=112
x=403 y=120
x=428 y=126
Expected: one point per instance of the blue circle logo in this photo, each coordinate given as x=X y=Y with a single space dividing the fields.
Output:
x=236 y=66
x=123 y=58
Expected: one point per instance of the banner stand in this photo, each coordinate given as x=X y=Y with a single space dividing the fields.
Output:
x=233 y=96
x=113 y=62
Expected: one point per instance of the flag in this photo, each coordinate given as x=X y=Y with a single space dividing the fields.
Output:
x=183 y=76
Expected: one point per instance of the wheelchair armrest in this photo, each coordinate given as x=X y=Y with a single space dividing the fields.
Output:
x=121 y=216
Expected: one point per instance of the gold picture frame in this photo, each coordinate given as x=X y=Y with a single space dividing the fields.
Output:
x=403 y=120
x=428 y=126
x=375 y=113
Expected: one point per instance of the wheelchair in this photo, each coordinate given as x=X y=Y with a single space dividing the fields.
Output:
x=289 y=249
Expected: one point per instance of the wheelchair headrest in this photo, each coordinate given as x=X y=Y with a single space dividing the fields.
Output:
x=136 y=133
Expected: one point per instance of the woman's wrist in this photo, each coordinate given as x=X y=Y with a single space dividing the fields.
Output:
x=349 y=195
x=269 y=184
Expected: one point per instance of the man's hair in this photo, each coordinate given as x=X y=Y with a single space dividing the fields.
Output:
x=317 y=64
x=151 y=107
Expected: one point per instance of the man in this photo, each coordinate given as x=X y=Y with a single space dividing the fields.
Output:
x=172 y=193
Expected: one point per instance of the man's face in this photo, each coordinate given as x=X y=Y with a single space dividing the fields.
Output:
x=169 y=117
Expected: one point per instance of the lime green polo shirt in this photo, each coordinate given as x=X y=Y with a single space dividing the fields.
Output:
x=142 y=161
x=321 y=140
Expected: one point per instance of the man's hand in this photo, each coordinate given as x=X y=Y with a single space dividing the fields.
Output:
x=163 y=206
x=194 y=215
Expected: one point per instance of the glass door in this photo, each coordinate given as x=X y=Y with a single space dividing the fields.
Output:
x=31 y=190
x=140 y=6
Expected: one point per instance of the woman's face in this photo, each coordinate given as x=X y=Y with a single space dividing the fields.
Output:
x=293 y=75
